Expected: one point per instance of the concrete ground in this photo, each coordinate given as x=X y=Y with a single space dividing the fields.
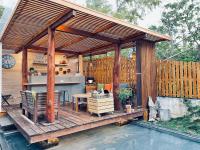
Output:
x=128 y=137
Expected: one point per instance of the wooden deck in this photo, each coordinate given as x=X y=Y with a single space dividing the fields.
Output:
x=69 y=122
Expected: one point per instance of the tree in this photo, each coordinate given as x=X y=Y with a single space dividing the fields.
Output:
x=129 y=10
x=132 y=10
x=181 y=20
x=99 y=5
x=1 y=10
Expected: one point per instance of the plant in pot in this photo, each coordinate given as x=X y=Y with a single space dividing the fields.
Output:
x=125 y=95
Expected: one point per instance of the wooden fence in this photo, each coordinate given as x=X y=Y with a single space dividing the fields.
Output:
x=174 y=78
x=102 y=70
x=178 y=79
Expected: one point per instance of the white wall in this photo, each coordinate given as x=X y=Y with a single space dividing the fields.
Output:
x=175 y=105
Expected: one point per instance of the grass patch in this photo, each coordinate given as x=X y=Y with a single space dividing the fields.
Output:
x=189 y=124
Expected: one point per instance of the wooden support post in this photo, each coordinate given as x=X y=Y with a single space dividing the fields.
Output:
x=116 y=79
x=145 y=72
x=80 y=64
x=24 y=69
x=50 y=76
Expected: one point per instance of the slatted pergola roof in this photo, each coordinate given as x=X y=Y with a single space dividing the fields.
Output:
x=79 y=30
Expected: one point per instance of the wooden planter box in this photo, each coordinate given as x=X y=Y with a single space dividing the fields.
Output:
x=99 y=106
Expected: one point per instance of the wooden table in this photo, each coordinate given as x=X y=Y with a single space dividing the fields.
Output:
x=76 y=98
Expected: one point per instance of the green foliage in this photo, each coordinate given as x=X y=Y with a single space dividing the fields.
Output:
x=1 y=10
x=129 y=10
x=132 y=10
x=99 y=5
x=180 y=20
x=190 y=123
x=124 y=94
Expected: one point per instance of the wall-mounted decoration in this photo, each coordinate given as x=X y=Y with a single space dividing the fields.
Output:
x=64 y=72
x=8 y=61
x=57 y=73
x=40 y=58
x=68 y=70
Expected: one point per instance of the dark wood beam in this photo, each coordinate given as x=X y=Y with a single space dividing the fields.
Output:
x=138 y=75
x=103 y=51
x=104 y=28
x=145 y=72
x=50 y=76
x=24 y=69
x=57 y=22
x=56 y=50
x=116 y=77
x=133 y=38
x=97 y=48
x=86 y=34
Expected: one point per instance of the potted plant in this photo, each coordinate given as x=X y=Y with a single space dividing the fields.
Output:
x=125 y=95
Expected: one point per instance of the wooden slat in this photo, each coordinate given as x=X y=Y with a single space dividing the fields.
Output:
x=194 y=77
x=198 y=79
x=178 y=89
x=190 y=80
x=186 y=80
x=167 y=81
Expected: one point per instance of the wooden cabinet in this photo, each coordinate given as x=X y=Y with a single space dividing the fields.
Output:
x=90 y=88
x=102 y=105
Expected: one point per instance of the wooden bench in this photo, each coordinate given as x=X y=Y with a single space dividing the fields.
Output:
x=34 y=105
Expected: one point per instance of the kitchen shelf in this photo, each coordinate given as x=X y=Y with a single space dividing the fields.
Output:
x=45 y=64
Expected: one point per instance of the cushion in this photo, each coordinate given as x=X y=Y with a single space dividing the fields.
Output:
x=108 y=87
x=100 y=86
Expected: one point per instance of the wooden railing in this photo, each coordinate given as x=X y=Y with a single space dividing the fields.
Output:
x=174 y=78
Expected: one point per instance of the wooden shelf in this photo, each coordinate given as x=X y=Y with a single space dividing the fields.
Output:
x=58 y=83
x=44 y=64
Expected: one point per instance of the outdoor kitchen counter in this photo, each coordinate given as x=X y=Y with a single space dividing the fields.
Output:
x=71 y=84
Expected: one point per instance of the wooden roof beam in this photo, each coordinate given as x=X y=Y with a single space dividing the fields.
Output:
x=104 y=28
x=59 y=21
x=86 y=34
x=97 y=48
x=125 y=40
x=134 y=37
x=57 y=50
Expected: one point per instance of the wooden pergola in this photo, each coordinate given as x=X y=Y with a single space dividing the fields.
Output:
x=60 y=26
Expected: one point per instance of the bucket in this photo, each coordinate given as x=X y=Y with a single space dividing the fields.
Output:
x=128 y=109
x=164 y=114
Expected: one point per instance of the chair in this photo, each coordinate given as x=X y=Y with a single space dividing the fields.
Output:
x=80 y=99
x=35 y=104
x=5 y=99
x=24 y=102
